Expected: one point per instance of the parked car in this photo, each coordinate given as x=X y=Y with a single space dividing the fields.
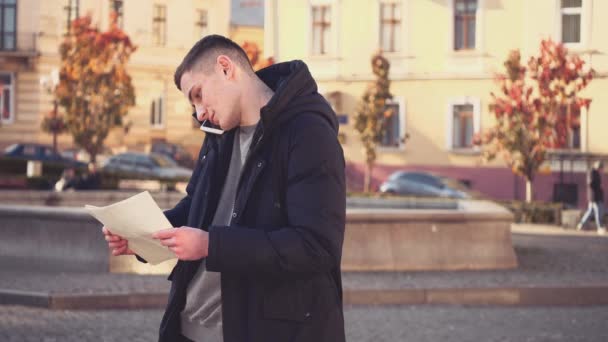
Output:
x=40 y=152
x=135 y=165
x=82 y=155
x=423 y=184
x=174 y=151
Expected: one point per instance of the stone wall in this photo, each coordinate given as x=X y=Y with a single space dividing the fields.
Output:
x=476 y=236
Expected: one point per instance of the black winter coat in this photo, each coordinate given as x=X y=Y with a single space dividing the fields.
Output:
x=596 y=194
x=280 y=258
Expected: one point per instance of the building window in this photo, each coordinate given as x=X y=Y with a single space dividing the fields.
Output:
x=462 y=136
x=321 y=29
x=159 y=25
x=573 y=137
x=6 y=98
x=72 y=10
x=571 y=20
x=390 y=26
x=202 y=24
x=465 y=12
x=251 y=3
x=463 y=117
x=8 y=16
x=393 y=133
x=117 y=8
x=157 y=113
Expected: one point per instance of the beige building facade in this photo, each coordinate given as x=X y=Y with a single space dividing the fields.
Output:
x=163 y=30
x=444 y=55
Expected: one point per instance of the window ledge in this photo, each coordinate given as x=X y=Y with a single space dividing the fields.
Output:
x=324 y=58
x=388 y=149
x=397 y=55
x=565 y=150
x=469 y=54
x=466 y=151
x=581 y=49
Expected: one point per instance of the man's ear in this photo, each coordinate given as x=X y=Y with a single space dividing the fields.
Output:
x=225 y=63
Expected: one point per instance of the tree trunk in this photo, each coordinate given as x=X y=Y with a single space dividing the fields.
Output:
x=54 y=141
x=368 y=177
x=529 y=192
x=54 y=128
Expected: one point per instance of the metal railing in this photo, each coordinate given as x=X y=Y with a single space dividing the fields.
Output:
x=20 y=43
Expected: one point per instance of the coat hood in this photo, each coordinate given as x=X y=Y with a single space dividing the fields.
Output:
x=295 y=92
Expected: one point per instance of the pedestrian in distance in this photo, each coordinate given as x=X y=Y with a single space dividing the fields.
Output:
x=595 y=195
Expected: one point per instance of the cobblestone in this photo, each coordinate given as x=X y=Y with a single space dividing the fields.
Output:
x=363 y=324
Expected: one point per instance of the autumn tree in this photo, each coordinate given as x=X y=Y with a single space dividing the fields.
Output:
x=95 y=89
x=253 y=52
x=372 y=114
x=536 y=108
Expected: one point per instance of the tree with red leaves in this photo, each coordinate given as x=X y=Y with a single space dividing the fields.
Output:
x=535 y=109
x=94 y=87
x=253 y=52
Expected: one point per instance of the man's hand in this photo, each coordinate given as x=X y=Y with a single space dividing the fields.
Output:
x=186 y=242
x=117 y=244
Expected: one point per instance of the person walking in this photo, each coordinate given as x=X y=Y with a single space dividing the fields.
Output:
x=596 y=199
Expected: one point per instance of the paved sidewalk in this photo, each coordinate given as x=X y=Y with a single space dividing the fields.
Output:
x=557 y=266
x=362 y=323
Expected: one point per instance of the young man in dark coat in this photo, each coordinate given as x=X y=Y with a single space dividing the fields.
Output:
x=264 y=215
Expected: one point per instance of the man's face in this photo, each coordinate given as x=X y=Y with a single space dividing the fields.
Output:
x=213 y=94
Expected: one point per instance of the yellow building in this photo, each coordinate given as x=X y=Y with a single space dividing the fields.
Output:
x=247 y=22
x=163 y=30
x=443 y=55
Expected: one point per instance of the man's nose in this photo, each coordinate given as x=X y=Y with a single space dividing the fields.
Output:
x=201 y=113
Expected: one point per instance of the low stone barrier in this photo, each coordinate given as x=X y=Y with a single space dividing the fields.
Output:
x=80 y=198
x=476 y=236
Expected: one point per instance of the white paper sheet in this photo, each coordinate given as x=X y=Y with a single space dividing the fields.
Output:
x=136 y=219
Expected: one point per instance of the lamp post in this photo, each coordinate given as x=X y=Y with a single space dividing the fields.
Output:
x=49 y=83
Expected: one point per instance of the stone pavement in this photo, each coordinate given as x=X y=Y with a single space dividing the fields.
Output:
x=362 y=323
x=556 y=267
x=549 y=257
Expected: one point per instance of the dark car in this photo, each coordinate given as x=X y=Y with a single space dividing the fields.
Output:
x=40 y=152
x=174 y=151
x=135 y=165
x=423 y=184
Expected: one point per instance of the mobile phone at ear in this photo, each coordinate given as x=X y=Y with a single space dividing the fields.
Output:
x=208 y=127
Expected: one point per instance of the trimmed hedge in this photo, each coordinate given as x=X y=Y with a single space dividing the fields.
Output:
x=534 y=212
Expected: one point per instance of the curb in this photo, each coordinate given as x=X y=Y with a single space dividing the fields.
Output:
x=524 y=296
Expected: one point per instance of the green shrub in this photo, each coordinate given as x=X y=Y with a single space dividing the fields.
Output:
x=535 y=212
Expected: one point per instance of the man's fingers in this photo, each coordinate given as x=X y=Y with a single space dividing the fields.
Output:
x=169 y=242
x=111 y=238
x=117 y=244
x=119 y=251
x=164 y=234
x=106 y=231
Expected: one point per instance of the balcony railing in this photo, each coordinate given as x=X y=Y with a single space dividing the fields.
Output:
x=21 y=44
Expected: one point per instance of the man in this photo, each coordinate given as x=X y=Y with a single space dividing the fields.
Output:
x=596 y=199
x=264 y=215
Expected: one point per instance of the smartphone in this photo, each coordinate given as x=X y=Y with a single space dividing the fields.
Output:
x=208 y=127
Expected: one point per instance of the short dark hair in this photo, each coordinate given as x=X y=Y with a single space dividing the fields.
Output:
x=211 y=46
